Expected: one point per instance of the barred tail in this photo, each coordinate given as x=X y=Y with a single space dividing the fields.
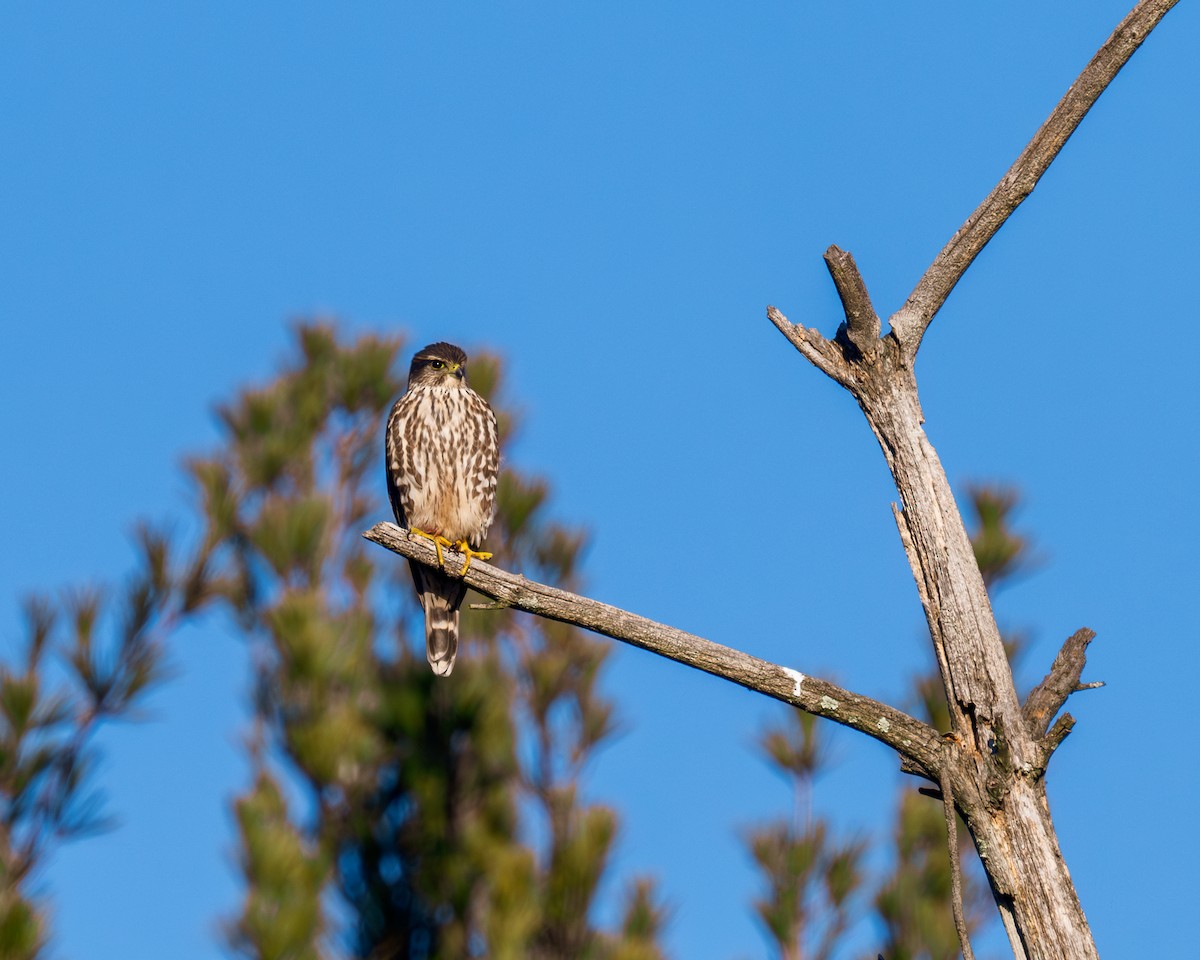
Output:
x=441 y=635
x=441 y=597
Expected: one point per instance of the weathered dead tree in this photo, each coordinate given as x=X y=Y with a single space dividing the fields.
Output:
x=991 y=764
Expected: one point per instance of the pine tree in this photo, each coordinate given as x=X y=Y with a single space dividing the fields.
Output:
x=87 y=658
x=812 y=877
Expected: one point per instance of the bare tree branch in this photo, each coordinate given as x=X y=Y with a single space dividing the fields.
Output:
x=1058 y=733
x=861 y=328
x=825 y=355
x=913 y=740
x=956 y=895
x=1047 y=698
x=911 y=320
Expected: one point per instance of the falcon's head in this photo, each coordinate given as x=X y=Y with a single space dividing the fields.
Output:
x=438 y=365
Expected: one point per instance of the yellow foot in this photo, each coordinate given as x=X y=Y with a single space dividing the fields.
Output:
x=465 y=549
x=438 y=542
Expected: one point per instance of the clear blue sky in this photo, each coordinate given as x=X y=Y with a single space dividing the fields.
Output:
x=610 y=195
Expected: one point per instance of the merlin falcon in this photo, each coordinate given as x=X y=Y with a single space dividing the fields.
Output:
x=443 y=457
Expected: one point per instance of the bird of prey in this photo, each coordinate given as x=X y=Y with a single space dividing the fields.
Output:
x=442 y=459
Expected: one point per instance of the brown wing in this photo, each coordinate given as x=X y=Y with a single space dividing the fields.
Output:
x=393 y=461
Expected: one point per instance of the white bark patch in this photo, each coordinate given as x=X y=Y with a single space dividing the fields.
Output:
x=797 y=677
x=828 y=703
x=884 y=724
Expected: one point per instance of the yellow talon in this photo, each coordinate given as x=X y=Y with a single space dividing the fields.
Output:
x=438 y=542
x=465 y=549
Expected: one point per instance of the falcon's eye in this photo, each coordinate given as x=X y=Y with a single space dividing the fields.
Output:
x=436 y=364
